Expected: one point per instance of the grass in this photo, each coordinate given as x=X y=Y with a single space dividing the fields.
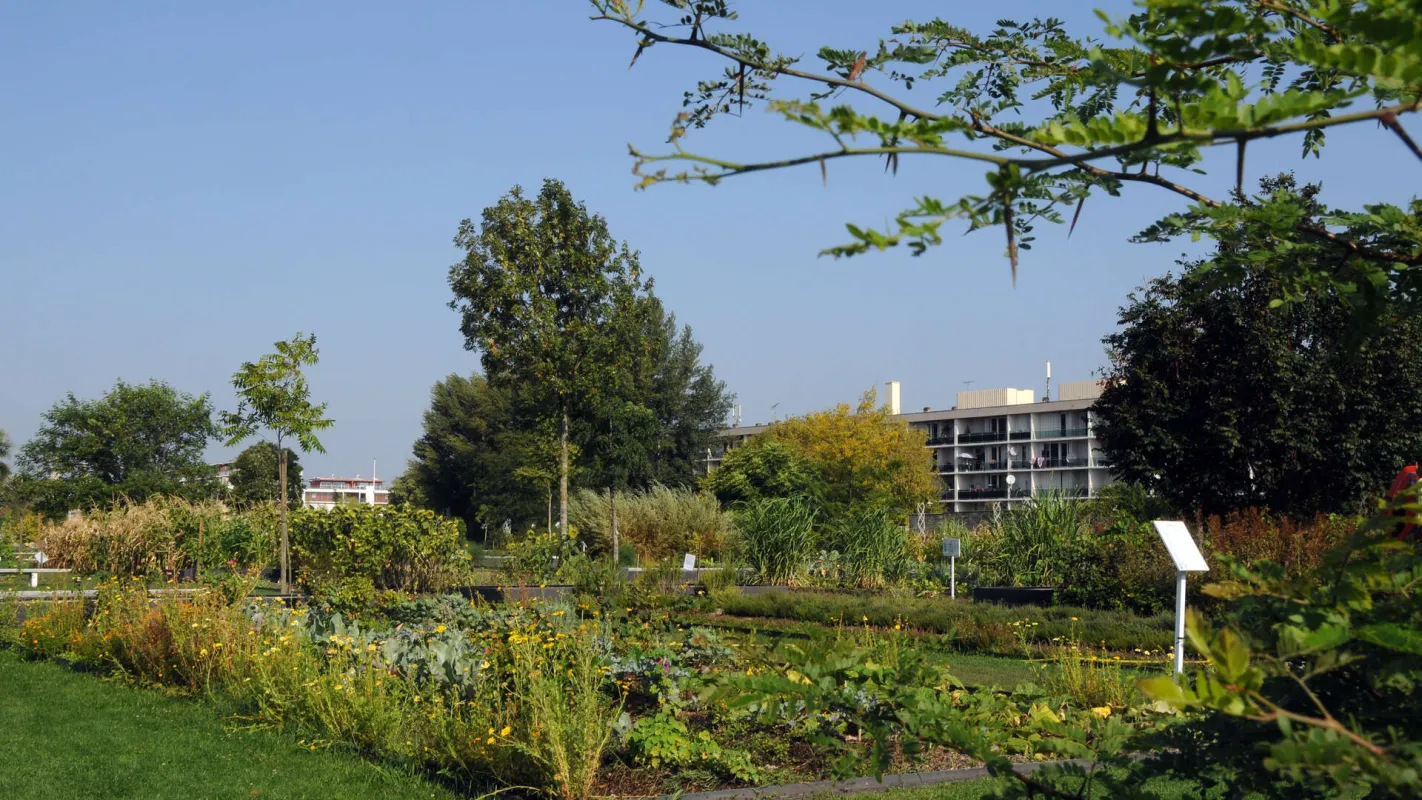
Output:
x=71 y=735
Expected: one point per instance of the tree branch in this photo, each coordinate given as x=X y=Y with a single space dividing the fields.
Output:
x=1272 y=5
x=1390 y=120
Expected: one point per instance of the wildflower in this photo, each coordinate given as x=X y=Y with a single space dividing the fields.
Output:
x=1074 y=619
x=491 y=739
x=1101 y=712
x=506 y=731
x=441 y=629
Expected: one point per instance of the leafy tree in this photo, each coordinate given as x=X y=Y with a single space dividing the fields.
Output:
x=135 y=441
x=1055 y=118
x=668 y=409
x=541 y=291
x=860 y=457
x=762 y=469
x=464 y=463
x=1218 y=398
x=272 y=395
x=256 y=473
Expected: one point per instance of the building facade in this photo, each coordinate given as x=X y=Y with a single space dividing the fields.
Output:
x=331 y=492
x=997 y=445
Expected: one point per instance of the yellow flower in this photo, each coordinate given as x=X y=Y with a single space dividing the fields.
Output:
x=441 y=629
x=491 y=740
x=1074 y=619
x=203 y=652
x=1102 y=712
x=506 y=731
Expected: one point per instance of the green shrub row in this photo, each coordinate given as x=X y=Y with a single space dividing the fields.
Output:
x=971 y=626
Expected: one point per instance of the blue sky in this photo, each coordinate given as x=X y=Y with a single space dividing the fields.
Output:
x=181 y=184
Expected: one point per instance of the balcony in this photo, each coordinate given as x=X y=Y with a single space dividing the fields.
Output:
x=1018 y=464
x=938 y=441
x=980 y=466
x=1063 y=433
x=991 y=493
x=1018 y=436
x=1061 y=463
x=983 y=436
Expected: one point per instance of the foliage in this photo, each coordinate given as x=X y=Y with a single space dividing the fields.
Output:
x=665 y=740
x=155 y=538
x=873 y=545
x=661 y=522
x=137 y=440
x=1321 y=669
x=402 y=549
x=538 y=555
x=256 y=475
x=762 y=468
x=666 y=410
x=967 y=626
x=465 y=462
x=5 y=444
x=863 y=456
x=1055 y=117
x=539 y=293
x=1216 y=399
x=777 y=538
x=1026 y=545
x=272 y=395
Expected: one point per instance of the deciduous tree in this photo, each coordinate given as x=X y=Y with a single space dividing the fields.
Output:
x=135 y=441
x=273 y=396
x=256 y=475
x=541 y=291
x=1218 y=396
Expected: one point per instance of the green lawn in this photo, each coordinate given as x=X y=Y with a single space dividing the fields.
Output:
x=64 y=734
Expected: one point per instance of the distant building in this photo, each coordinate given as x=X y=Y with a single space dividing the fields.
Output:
x=331 y=492
x=996 y=445
x=224 y=474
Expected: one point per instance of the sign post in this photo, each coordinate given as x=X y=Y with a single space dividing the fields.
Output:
x=952 y=548
x=1187 y=558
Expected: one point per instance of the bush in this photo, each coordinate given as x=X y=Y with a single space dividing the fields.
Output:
x=660 y=522
x=777 y=538
x=403 y=549
x=983 y=627
x=150 y=538
x=872 y=546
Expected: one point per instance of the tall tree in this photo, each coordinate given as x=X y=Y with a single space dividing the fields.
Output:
x=256 y=475
x=135 y=441
x=1219 y=396
x=465 y=462
x=539 y=292
x=668 y=407
x=1054 y=118
x=272 y=396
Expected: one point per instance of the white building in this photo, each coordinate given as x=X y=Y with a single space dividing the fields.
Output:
x=998 y=445
x=330 y=492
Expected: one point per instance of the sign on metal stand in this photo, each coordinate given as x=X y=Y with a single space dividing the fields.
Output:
x=1187 y=558
x=952 y=548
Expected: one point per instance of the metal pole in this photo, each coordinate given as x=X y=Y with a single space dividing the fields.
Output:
x=1179 y=621
x=953 y=578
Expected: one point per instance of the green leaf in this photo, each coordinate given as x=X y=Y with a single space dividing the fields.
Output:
x=1393 y=636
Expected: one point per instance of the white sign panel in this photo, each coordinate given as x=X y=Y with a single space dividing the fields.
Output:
x=688 y=562
x=1182 y=548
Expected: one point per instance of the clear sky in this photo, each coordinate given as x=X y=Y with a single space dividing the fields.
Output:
x=181 y=184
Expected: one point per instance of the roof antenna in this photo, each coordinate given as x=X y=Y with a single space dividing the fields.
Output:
x=1048 y=397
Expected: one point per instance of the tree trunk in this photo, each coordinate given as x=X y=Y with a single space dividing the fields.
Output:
x=563 y=473
x=285 y=540
x=612 y=498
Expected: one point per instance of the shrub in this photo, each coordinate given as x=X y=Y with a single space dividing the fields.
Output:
x=777 y=538
x=537 y=555
x=155 y=536
x=404 y=549
x=660 y=522
x=1025 y=545
x=872 y=545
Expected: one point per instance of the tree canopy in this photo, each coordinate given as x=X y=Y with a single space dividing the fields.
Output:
x=845 y=457
x=135 y=441
x=545 y=296
x=1217 y=397
x=1055 y=117
x=256 y=476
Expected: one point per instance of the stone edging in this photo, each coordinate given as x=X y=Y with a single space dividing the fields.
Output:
x=909 y=780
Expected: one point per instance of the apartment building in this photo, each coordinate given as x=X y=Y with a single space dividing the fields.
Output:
x=330 y=492
x=996 y=445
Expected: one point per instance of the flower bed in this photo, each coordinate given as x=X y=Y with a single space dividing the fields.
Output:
x=574 y=699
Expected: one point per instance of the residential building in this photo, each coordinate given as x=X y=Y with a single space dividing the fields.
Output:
x=224 y=474
x=330 y=492
x=996 y=445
